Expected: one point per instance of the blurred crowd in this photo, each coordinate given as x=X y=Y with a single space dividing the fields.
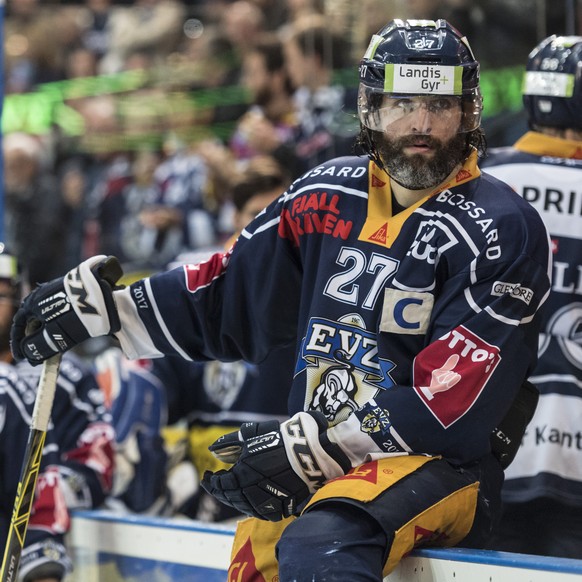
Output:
x=169 y=100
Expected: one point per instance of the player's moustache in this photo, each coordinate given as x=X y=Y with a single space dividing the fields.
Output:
x=413 y=140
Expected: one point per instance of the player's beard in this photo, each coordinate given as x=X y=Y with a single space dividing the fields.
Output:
x=417 y=171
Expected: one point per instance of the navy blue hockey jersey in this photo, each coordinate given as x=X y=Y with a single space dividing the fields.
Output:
x=547 y=172
x=49 y=520
x=415 y=329
x=83 y=430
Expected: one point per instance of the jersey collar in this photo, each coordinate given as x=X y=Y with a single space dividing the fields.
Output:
x=381 y=227
x=540 y=144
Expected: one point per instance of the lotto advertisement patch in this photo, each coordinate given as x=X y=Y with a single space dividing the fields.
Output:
x=450 y=374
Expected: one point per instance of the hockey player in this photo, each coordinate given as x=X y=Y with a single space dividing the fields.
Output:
x=83 y=429
x=543 y=489
x=82 y=426
x=410 y=285
x=44 y=557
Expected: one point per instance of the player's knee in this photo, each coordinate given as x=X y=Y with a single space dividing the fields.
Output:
x=338 y=542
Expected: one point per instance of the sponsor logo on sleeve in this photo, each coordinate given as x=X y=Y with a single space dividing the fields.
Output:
x=514 y=290
x=450 y=374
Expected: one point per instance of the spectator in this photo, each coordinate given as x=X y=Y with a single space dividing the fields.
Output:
x=35 y=210
x=267 y=127
x=543 y=487
x=270 y=121
x=36 y=39
x=184 y=202
x=95 y=33
x=152 y=26
x=325 y=111
x=242 y=23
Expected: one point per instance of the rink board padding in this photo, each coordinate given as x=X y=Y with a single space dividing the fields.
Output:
x=112 y=548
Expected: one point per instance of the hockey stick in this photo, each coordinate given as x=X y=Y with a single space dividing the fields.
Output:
x=30 y=469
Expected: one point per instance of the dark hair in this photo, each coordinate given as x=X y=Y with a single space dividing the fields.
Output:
x=318 y=40
x=263 y=174
x=270 y=47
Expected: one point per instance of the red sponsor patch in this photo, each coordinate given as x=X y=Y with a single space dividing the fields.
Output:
x=201 y=275
x=424 y=536
x=376 y=182
x=243 y=567
x=463 y=175
x=450 y=374
x=367 y=472
x=381 y=234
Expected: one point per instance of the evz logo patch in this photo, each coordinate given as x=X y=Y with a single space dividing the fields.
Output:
x=343 y=371
x=450 y=374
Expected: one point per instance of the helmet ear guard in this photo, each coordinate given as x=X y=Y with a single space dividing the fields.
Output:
x=552 y=85
x=419 y=58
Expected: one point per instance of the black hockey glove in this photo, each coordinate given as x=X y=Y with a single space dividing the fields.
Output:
x=276 y=466
x=64 y=312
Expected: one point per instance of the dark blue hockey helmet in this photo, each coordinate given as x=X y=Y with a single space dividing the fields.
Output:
x=552 y=88
x=419 y=58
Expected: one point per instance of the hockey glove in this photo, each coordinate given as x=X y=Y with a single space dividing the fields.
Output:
x=276 y=466
x=64 y=312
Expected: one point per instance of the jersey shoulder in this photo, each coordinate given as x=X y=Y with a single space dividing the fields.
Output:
x=335 y=171
x=505 y=155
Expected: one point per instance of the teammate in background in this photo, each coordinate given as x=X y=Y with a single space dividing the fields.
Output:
x=393 y=275
x=82 y=426
x=217 y=397
x=83 y=430
x=44 y=557
x=543 y=488
x=166 y=395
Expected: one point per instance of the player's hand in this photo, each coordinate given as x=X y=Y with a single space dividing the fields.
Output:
x=276 y=467
x=64 y=312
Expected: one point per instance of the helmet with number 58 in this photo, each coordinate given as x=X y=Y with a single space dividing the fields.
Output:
x=552 y=94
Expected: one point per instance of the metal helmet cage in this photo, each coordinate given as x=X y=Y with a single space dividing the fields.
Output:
x=552 y=88
x=419 y=58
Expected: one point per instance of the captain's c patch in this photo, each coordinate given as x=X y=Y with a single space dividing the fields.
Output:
x=406 y=312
